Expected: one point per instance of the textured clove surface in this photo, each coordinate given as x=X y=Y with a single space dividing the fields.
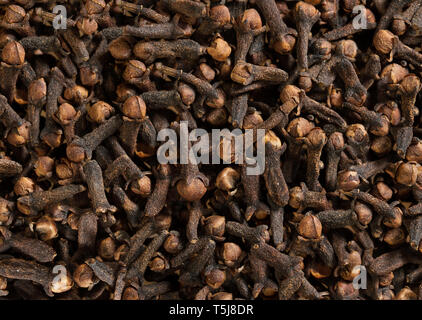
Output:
x=88 y=212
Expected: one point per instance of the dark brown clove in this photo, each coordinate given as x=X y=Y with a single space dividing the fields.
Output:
x=183 y=49
x=306 y=16
x=158 y=196
x=37 y=201
x=246 y=73
x=94 y=180
x=82 y=148
x=273 y=175
x=283 y=38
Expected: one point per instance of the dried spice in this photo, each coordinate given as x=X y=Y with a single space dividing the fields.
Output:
x=335 y=90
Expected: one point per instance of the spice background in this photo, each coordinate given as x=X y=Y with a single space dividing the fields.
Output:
x=87 y=212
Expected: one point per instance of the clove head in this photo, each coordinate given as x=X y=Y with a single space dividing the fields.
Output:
x=383 y=41
x=227 y=179
x=134 y=108
x=13 y=53
x=310 y=227
x=220 y=14
x=219 y=50
x=192 y=191
x=75 y=153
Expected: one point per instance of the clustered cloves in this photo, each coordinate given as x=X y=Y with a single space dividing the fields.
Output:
x=82 y=190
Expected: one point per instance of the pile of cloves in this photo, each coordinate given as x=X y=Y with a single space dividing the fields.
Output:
x=88 y=212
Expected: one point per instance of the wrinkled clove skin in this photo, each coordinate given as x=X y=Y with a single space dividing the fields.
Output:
x=357 y=138
x=128 y=134
x=387 y=43
x=203 y=87
x=283 y=39
x=148 y=291
x=336 y=219
x=34 y=248
x=277 y=229
x=253 y=235
x=47 y=44
x=134 y=110
x=392 y=260
x=133 y=212
x=8 y=116
x=315 y=141
x=148 y=134
x=394 y=7
x=195 y=214
x=76 y=45
x=371 y=168
x=273 y=175
x=137 y=242
x=169 y=30
x=294 y=134
x=27 y=270
x=414 y=210
x=188 y=251
x=51 y=133
x=37 y=201
x=349 y=28
x=247 y=26
x=190 y=182
x=67 y=117
x=193 y=270
x=87 y=232
x=259 y=270
x=279 y=117
x=283 y=263
x=286 y=266
x=238 y=109
x=123 y=165
x=409 y=88
x=186 y=7
x=82 y=148
x=94 y=180
x=251 y=189
x=335 y=145
x=355 y=93
x=37 y=92
x=9 y=168
x=380 y=206
x=158 y=196
x=158 y=100
x=186 y=49
x=301 y=198
x=306 y=16
x=130 y=9
x=246 y=73
x=372 y=70
x=139 y=266
x=311 y=106
x=415 y=233
x=102 y=271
